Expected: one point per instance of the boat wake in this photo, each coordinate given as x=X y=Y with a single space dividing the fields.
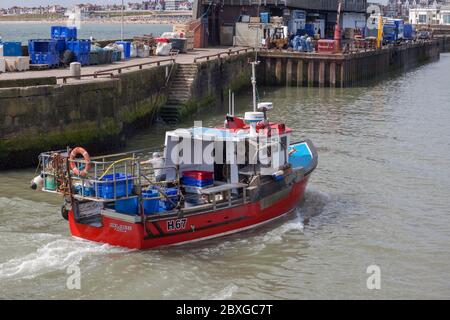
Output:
x=293 y=226
x=313 y=205
x=56 y=255
x=225 y=293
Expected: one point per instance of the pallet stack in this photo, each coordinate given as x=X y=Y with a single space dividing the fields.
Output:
x=189 y=35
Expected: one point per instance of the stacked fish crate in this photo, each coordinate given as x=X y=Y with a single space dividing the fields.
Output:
x=193 y=182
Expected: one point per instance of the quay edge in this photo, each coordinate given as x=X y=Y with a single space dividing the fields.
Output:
x=344 y=70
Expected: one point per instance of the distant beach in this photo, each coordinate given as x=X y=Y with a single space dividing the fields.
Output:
x=24 y=30
x=108 y=18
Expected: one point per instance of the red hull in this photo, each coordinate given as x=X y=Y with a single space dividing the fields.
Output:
x=192 y=227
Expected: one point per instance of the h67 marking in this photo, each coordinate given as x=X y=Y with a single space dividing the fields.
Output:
x=175 y=225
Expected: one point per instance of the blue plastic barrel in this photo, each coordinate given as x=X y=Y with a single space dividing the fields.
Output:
x=126 y=48
x=265 y=17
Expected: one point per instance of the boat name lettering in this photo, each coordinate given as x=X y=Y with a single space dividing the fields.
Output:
x=178 y=224
x=120 y=227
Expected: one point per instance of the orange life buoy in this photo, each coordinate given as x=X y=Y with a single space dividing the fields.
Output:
x=87 y=159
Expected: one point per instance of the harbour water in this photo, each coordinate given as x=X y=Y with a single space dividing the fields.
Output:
x=23 y=31
x=380 y=196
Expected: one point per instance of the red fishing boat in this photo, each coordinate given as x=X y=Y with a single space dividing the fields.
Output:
x=206 y=183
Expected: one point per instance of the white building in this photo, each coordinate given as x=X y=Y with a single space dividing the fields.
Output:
x=444 y=15
x=430 y=15
x=423 y=15
x=172 y=4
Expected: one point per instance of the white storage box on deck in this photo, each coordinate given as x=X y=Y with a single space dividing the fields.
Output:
x=17 y=64
x=143 y=52
x=2 y=65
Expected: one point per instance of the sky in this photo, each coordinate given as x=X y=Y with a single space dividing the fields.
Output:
x=31 y=3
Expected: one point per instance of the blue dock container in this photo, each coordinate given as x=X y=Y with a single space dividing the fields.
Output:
x=408 y=31
x=79 y=46
x=62 y=32
x=126 y=48
x=60 y=45
x=82 y=58
x=42 y=46
x=81 y=50
x=12 y=49
x=44 y=51
x=309 y=29
x=52 y=59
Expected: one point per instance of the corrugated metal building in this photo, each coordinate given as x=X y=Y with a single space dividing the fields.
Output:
x=217 y=14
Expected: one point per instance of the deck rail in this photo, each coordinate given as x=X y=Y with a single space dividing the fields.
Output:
x=94 y=75
x=226 y=53
x=138 y=65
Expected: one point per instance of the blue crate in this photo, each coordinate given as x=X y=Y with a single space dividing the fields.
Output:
x=42 y=46
x=127 y=206
x=126 y=48
x=61 y=32
x=79 y=46
x=151 y=206
x=12 y=49
x=52 y=59
x=189 y=181
x=86 y=191
x=165 y=205
x=106 y=189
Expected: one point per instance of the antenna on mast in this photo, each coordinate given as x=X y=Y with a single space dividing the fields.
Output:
x=254 y=64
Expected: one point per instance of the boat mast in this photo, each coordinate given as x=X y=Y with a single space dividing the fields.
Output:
x=254 y=63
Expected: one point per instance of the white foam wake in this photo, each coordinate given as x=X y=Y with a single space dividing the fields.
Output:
x=53 y=256
x=225 y=293
x=277 y=234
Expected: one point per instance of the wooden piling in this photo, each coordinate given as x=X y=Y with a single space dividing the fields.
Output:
x=333 y=74
x=310 y=73
x=322 y=74
x=278 y=71
x=300 y=73
x=289 y=72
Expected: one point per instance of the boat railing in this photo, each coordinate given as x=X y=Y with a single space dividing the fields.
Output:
x=106 y=178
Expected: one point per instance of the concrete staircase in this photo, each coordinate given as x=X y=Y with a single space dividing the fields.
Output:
x=179 y=92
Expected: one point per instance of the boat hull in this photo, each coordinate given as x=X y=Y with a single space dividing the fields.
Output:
x=192 y=227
